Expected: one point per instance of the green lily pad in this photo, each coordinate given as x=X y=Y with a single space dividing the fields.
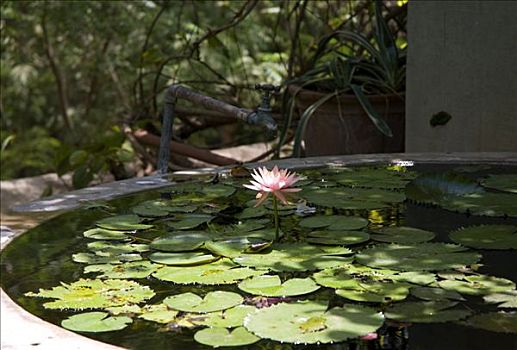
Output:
x=375 y=291
x=373 y=178
x=271 y=286
x=337 y=237
x=218 y=336
x=296 y=257
x=421 y=256
x=181 y=242
x=309 y=322
x=95 y=322
x=158 y=313
x=180 y=259
x=507 y=299
x=487 y=204
x=335 y=222
x=99 y=233
x=250 y=213
x=415 y=277
x=154 y=209
x=219 y=190
x=124 y=309
x=431 y=293
x=222 y=271
x=401 y=234
x=136 y=269
x=213 y=301
x=233 y=247
x=89 y=294
x=228 y=318
x=189 y=221
x=487 y=236
x=239 y=229
x=501 y=182
x=426 y=312
x=123 y=223
x=107 y=248
x=501 y=322
x=478 y=285
x=90 y=258
x=353 y=198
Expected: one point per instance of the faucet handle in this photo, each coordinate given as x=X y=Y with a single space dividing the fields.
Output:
x=268 y=88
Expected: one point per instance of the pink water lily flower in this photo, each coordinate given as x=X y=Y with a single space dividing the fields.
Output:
x=277 y=181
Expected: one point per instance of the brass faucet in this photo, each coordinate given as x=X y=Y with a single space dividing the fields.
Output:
x=261 y=116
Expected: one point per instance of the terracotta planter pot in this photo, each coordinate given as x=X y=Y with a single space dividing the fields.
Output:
x=329 y=134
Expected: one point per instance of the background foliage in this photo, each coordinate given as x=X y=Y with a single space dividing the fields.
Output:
x=78 y=78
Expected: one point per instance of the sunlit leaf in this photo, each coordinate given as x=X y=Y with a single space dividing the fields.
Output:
x=95 y=322
x=213 y=301
x=272 y=286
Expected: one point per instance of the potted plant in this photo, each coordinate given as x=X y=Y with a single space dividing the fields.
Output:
x=352 y=100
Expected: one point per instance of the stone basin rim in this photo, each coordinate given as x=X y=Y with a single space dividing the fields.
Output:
x=50 y=336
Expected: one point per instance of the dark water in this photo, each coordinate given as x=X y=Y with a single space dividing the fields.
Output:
x=41 y=258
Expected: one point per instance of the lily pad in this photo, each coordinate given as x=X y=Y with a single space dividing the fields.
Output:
x=95 y=322
x=501 y=322
x=178 y=242
x=189 y=221
x=487 y=236
x=478 y=284
x=219 y=190
x=501 y=182
x=426 y=312
x=99 y=233
x=506 y=299
x=353 y=198
x=250 y=213
x=233 y=247
x=309 y=322
x=89 y=294
x=90 y=258
x=136 y=269
x=374 y=178
x=180 y=259
x=107 y=248
x=401 y=234
x=228 y=318
x=375 y=291
x=337 y=237
x=222 y=271
x=430 y=293
x=271 y=286
x=296 y=257
x=158 y=313
x=421 y=256
x=213 y=301
x=218 y=336
x=335 y=222
x=123 y=223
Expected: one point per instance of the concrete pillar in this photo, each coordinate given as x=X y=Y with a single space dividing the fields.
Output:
x=462 y=59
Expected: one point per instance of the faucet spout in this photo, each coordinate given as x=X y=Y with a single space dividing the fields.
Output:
x=264 y=118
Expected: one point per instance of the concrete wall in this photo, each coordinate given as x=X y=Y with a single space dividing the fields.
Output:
x=462 y=59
